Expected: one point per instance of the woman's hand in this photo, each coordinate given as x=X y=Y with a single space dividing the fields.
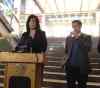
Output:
x=45 y=58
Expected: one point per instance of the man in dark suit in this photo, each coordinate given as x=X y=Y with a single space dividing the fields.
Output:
x=77 y=47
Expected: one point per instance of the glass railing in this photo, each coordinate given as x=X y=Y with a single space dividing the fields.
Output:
x=9 y=13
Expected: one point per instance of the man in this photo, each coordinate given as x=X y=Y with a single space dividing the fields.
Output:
x=77 y=47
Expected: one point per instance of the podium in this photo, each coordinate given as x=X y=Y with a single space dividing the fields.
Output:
x=22 y=70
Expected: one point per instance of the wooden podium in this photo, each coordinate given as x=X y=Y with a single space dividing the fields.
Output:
x=22 y=69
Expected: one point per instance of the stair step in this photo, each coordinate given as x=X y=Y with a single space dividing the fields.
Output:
x=91 y=65
x=61 y=76
x=62 y=83
x=61 y=69
x=59 y=58
x=91 y=78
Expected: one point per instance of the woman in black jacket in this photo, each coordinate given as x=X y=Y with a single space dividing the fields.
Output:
x=33 y=40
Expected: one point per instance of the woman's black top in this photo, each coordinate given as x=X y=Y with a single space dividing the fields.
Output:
x=36 y=45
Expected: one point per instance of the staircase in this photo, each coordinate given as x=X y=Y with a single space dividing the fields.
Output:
x=2 y=75
x=54 y=76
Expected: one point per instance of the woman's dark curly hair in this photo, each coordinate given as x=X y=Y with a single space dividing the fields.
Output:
x=37 y=23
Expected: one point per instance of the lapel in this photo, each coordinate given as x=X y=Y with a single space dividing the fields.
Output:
x=82 y=37
x=35 y=36
x=71 y=42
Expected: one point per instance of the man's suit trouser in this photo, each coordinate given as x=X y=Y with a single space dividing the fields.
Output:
x=73 y=75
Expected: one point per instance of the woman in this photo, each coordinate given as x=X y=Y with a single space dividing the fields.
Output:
x=33 y=40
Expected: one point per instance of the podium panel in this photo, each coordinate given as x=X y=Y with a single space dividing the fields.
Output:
x=22 y=70
x=21 y=73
